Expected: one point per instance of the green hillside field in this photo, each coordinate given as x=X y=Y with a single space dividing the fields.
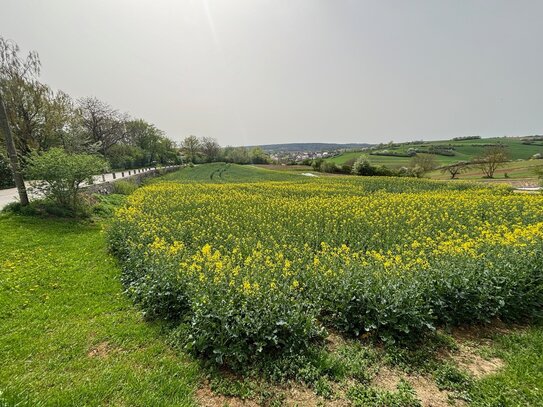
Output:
x=465 y=150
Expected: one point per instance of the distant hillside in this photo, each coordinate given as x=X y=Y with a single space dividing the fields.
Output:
x=300 y=147
x=446 y=151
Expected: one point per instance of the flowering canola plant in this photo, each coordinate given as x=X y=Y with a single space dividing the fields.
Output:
x=260 y=268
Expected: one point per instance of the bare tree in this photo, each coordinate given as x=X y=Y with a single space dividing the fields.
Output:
x=210 y=149
x=191 y=148
x=422 y=163
x=492 y=158
x=12 y=152
x=455 y=169
x=104 y=124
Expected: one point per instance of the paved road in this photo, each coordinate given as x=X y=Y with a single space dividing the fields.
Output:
x=10 y=195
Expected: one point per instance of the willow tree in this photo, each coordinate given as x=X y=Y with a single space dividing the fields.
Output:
x=12 y=153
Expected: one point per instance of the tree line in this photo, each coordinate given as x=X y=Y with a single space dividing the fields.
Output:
x=206 y=149
x=41 y=118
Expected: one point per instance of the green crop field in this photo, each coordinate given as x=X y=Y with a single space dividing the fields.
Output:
x=237 y=260
x=464 y=150
x=222 y=173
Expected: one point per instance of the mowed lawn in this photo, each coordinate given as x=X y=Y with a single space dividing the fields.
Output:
x=68 y=334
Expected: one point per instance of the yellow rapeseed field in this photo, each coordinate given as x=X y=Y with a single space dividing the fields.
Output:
x=261 y=267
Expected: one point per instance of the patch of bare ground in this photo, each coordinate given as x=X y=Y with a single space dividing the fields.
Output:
x=206 y=398
x=484 y=333
x=334 y=341
x=425 y=387
x=471 y=339
x=477 y=365
x=298 y=395
x=101 y=350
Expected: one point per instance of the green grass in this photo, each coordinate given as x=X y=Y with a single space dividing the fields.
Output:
x=520 y=383
x=68 y=334
x=466 y=150
x=514 y=170
x=221 y=172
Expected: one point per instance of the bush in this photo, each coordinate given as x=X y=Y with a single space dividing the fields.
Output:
x=317 y=163
x=363 y=167
x=42 y=207
x=124 y=187
x=61 y=175
x=329 y=167
x=6 y=176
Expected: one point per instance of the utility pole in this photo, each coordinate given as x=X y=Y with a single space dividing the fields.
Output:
x=12 y=153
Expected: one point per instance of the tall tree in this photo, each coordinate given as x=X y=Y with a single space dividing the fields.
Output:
x=25 y=97
x=12 y=152
x=422 y=163
x=145 y=136
x=104 y=125
x=210 y=149
x=191 y=148
x=491 y=159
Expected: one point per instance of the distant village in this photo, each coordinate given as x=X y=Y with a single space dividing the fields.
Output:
x=290 y=156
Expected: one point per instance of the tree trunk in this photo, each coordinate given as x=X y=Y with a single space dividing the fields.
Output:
x=12 y=152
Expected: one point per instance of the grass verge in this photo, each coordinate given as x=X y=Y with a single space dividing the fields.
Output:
x=68 y=335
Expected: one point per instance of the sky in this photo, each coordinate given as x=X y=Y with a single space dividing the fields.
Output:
x=252 y=72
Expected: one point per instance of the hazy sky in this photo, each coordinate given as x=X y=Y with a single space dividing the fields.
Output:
x=274 y=71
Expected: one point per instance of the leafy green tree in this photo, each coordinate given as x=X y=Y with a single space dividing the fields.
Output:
x=238 y=155
x=258 y=156
x=363 y=167
x=24 y=96
x=317 y=163
x=61 y=175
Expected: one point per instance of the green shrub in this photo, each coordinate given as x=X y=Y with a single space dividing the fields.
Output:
x=124 y=187
x=363 y=167
x=61 y=175
x=329 y=167
x=106 y=205
x=44 y=207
